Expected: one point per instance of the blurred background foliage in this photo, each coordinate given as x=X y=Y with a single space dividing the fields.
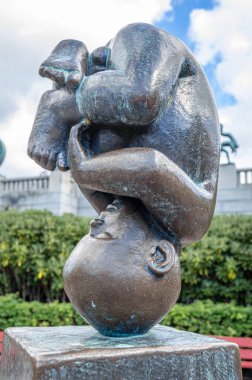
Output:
x=216 y=273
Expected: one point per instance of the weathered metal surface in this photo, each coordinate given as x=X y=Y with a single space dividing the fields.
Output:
x=64 y=353
x=136 y=123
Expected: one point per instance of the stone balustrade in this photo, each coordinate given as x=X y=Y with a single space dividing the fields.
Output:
x=58 y=193
x=31 y=184
x=244 y=176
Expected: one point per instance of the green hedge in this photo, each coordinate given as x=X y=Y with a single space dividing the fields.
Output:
x=16 y=312
x=219 y=267
x=34 y=246
x=202 y=316
x=206 y=317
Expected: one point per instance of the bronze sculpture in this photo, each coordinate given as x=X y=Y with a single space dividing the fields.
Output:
x=230 y=143
x=136 y=123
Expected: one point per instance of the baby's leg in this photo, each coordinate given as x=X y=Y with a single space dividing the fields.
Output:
x=57 y=112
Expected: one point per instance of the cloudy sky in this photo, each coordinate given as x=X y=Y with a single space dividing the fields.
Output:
x=218 y=32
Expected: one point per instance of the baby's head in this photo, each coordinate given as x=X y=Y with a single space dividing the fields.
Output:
x=123 y=226
x=123 y=277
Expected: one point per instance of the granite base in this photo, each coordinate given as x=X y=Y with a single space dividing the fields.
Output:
x=77 y=353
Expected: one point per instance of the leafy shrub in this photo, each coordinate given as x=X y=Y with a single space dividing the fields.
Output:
x=34 y=246
x=202 y=316
x=219 y=267
x=16 y=312
x=206 y=317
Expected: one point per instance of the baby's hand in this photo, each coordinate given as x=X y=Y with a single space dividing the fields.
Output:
x=67 y=63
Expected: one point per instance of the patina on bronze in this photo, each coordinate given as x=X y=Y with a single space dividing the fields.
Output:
x=136 y=123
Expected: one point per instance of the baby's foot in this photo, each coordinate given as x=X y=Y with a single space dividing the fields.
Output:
x=67 y=63
x=99 y=60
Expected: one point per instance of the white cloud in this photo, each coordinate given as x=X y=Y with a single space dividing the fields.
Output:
x=227 y=31
x=94 y=22
x=29 y=30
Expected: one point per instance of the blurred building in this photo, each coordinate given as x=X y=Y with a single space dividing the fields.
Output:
x=59 y=194
x=234 y=194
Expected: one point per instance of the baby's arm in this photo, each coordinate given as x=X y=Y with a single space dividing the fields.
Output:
x=183 y=207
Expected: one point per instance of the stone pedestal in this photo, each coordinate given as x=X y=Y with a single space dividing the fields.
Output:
x=77 y=353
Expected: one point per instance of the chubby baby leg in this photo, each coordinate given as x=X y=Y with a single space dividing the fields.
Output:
x=57 y=110
x=57 y=113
